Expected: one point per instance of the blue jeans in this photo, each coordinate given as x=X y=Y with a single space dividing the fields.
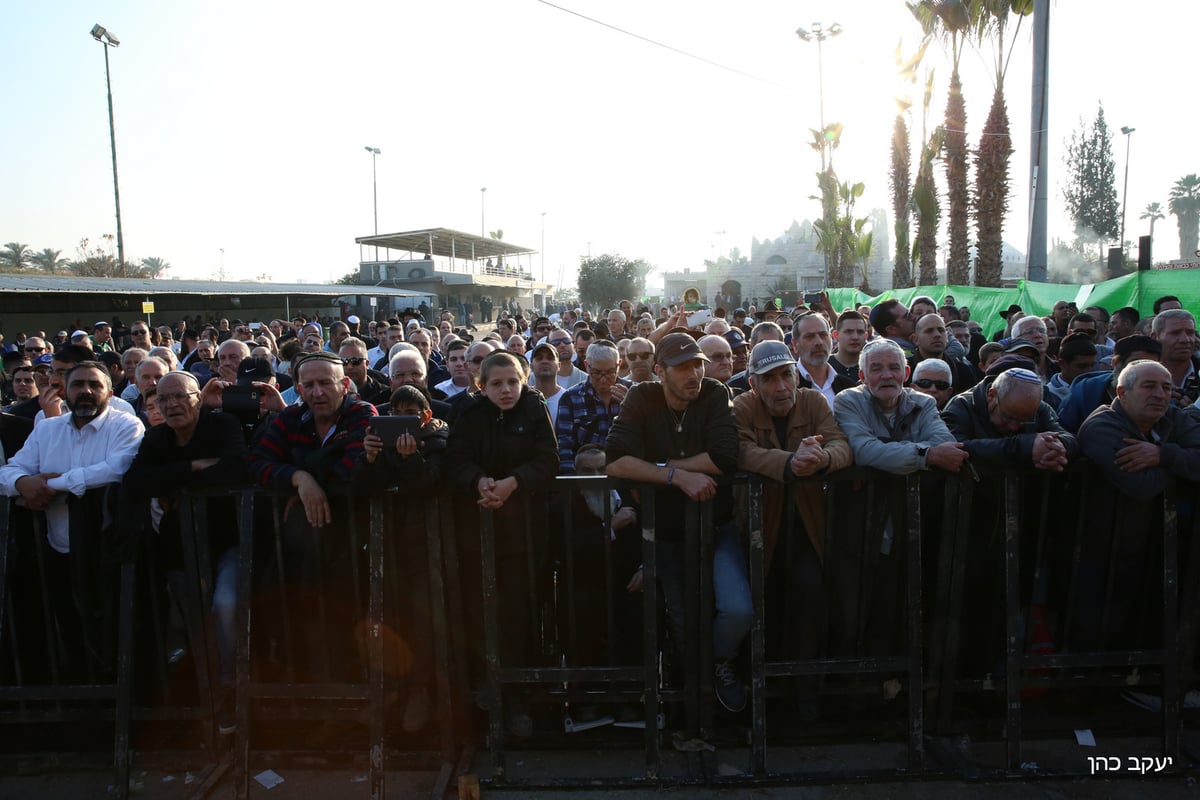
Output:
x=224 y=608
x=731 y=590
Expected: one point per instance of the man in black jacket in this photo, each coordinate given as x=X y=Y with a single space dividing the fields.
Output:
x=678 y=434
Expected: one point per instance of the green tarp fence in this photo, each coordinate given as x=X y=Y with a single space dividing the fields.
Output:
x=1138 y=289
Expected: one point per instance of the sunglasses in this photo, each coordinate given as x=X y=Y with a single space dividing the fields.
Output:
x=35 y=349
x=925 y=383
x=639 y=356
x=353 y=362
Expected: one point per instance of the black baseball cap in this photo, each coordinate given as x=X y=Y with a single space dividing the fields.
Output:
x=254 y=369
x=677 y=348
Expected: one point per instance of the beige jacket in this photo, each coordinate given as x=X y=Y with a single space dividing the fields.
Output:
x=761 y=452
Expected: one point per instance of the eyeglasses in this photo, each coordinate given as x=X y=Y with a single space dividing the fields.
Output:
x=353 y=362
x=560 y=342
x=721 y=357
x=478 y=359
x=925 y=383
x=34 y=349
x=639 y=356
x=602 y=373
x=542 y=328
x=181 y=397
x=139 y=333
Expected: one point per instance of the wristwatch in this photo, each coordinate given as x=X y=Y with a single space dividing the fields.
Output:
x=921 y=451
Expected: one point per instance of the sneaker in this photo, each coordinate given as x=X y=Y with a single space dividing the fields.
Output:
x=729 y=689
x=416 y=710
x=517 y=720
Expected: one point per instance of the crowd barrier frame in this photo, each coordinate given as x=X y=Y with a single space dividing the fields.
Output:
x=927 y=663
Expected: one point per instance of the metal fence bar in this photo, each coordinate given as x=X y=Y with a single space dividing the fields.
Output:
x=375 y=668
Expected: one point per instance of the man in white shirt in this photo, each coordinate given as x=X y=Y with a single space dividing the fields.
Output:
x=456 y=362
x=544 y=375
x=568 y=374
x=72 y=453
x=812 y=344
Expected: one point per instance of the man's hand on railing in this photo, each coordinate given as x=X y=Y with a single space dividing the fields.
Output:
x=312 y=497
x=696 y=485
x=809 y=457
x=34 y=490
x=1049 y=453
x=1137 y=455
x=947 y=455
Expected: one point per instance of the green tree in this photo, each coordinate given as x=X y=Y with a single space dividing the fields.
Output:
x=841 y=239
x=1091 y=189
x=15 y=256
x=995 y=146
x=606 y=278
x=155 y=266
x=99 y=262
x=1154 y=211
x=1185 y=205
x=49 y=260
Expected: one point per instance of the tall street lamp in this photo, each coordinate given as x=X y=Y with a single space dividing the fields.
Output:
x=482 y=216
x=543 y=247
x=1125 y=191
x=820 y=34
x=374 y=151
x=109 y=39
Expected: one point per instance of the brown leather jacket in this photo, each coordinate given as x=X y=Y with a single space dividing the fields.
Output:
x=760 y=451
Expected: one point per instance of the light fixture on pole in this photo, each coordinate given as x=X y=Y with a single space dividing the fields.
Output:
x=543 y=247
x=482 y=216
x=374 y=151
x=1125 y=191
x=820 y=34
x=109 y=39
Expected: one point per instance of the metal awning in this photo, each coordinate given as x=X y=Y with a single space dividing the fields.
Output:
x=446 y=243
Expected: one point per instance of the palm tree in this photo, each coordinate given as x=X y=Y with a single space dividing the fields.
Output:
x=1185 y=205
x=995 y=150
x=49 y=260
x=953 y=20
x=925 y=204
x=1153 y=211
x=901 y=192
x=16 y=256
x=155 y=266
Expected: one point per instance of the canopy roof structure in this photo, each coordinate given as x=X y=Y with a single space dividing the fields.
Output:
x=446 y=243
x=51 y=284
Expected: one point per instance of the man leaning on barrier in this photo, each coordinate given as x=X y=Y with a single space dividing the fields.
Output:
x=304 y=448
x=895 y=430
x=1141 y=442
x=679 y=434
x=195 y=449
x=787 y=433
x=91 y=446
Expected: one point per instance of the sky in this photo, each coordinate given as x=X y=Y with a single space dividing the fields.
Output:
x=241 y=127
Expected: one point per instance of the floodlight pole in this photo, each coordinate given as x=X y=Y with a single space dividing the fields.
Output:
x=374 y=151
x=1125 y=191
x=820 y=33
x=103 y=37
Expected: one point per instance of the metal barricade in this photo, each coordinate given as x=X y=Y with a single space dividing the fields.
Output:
x=1054 y=561
x=330 y=653
x=66 y=636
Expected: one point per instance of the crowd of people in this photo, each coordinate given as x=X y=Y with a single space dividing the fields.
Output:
x=496 y=413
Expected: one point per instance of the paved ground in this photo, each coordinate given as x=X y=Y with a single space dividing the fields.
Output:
x=68 y=781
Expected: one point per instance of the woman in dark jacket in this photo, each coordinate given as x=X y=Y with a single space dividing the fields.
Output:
x=503 y=453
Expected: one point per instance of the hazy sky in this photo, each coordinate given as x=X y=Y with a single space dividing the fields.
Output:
x=241 y=126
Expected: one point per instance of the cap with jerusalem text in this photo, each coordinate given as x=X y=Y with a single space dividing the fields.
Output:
x=254 y=369
x=677 y=348
x=768 y=355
